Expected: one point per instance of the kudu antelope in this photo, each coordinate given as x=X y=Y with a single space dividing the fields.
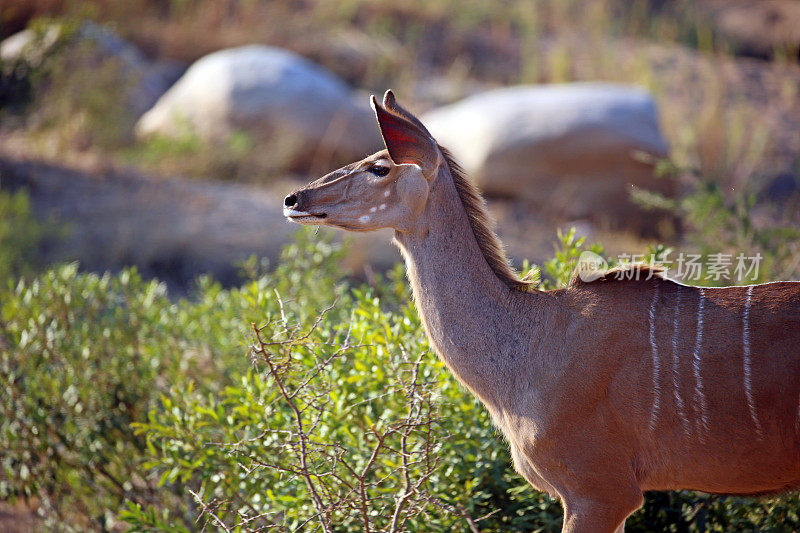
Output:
x=603 y=389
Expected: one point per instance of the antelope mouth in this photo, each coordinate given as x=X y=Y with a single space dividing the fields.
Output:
x=293 y=214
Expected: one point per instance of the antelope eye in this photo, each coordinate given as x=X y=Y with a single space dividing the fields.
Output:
x=379 y=170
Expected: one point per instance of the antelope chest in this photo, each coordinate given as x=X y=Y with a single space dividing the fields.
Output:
x=525 y=466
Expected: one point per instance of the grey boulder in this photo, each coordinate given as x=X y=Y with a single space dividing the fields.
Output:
x=574 y=150
x=274 y=95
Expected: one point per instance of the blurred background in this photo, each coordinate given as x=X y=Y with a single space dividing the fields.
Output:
x=163 y=135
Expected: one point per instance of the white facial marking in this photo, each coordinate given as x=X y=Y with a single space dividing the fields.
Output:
x=748 y=386
x=675 y=369
x=364 y=218
x=288 y=212
x=386 y=194
x=656 y=363
x=703 y=421
x=373 y=209
x=383 y=206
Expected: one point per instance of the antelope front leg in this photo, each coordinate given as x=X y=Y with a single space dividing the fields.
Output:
x=592 y=516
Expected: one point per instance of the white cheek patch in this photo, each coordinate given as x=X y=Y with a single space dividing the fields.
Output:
x=364 y=218
x=386 y=194
x=383 y=206
x=373 y=209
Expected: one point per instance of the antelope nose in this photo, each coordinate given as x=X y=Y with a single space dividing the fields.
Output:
x=290 y=201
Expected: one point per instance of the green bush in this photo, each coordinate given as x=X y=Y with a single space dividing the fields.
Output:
x=346 y=420
x=21 y=236
x=84 y=356
x=121 y=407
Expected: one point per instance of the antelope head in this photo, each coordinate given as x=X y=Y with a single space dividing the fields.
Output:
x=388 y=189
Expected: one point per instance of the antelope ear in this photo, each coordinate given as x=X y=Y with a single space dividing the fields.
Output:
x=406 y=141
x=388 y=99
x=391 y=105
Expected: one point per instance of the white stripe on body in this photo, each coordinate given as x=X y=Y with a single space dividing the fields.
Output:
x=748 y=386
x=675 y=369
x=656 y=363
x=702 y=422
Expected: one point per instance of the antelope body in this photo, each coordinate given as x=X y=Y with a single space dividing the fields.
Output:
x=604 y=389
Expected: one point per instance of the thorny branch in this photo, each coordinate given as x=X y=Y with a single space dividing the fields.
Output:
x=384 y=482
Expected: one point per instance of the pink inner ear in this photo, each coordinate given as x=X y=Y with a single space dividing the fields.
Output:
x=395 y=138
x=404 y=142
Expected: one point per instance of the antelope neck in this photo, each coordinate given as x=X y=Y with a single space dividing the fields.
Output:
x=476 y=323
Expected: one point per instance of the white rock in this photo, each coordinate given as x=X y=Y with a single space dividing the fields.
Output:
x=569 y=148
x=269 y=92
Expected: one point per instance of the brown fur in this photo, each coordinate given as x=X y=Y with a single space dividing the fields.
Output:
x=603 y=389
